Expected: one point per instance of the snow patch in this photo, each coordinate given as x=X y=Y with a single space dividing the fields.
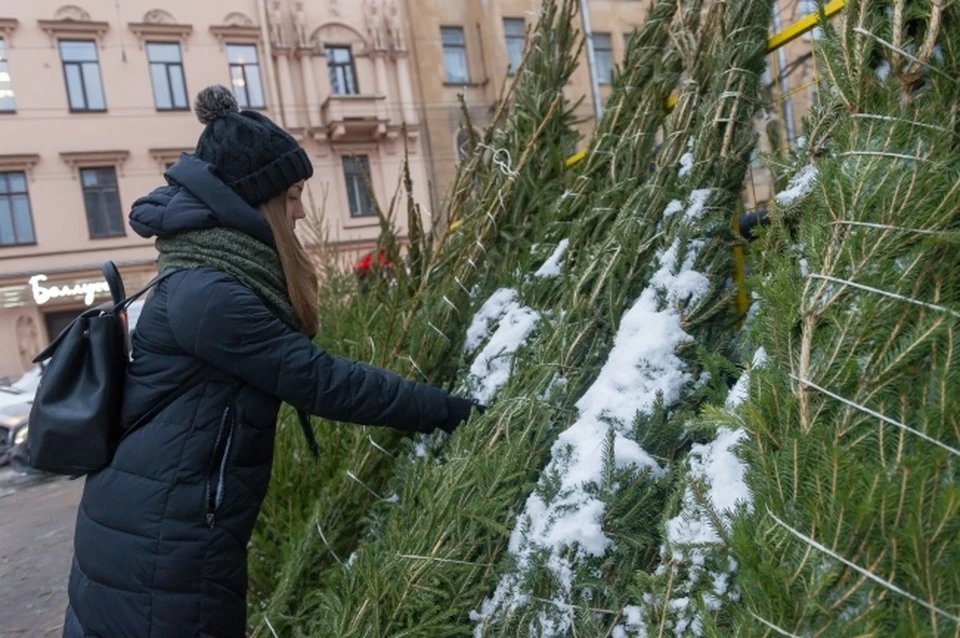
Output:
x=551 y=267
x=492 y=309
x=633 y=623
x=686 y=161
x=492 y=367
x=722 y=473
x=741 y=390
x=800 y=186
x=641 y=367
x=693 y=546
x=883 y=71
x=698 y=203
x=673 y=208
x=686 y=165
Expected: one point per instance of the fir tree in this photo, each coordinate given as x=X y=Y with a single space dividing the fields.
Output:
x=315 y=512
x=853 y=421
x=656 y=371
x=434 y=556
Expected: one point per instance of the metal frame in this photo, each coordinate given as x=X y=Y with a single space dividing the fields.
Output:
x=9 y=195
x=83 y=82
x=243 y=72
x=166 y=72
x=363 y=163
x=462 y=46
x=100 y=190
x=351 y=64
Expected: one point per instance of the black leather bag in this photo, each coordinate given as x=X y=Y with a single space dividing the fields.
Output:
x=74 y=423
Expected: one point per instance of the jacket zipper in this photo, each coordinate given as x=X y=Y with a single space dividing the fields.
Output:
x=218 y=468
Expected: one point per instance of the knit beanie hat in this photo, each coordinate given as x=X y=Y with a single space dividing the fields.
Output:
x=254 y=156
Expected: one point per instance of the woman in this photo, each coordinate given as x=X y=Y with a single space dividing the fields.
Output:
x=161 y=536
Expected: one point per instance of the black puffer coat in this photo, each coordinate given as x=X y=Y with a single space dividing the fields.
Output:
x=161 y=535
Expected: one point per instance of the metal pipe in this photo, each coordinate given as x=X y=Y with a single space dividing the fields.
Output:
x=591 y=60
x=783 y=82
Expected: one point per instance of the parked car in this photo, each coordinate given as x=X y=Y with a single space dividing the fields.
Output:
x=13 y=423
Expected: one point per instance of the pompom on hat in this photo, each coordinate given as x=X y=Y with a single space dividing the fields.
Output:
x=255 y=157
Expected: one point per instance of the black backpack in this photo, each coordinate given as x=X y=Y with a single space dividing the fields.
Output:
x=74 y=423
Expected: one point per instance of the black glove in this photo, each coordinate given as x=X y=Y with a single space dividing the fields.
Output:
x=458 y=411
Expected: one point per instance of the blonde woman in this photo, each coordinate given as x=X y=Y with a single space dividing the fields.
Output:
x=161 y=535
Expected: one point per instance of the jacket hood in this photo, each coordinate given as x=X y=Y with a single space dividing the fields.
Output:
x=195 y=199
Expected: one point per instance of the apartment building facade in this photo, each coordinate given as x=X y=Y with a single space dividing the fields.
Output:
x=469 y=47
x=95 y=104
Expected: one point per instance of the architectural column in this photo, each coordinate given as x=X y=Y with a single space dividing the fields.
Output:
x=322 y=76
x=409 y=108
x=496 y=52
x=287 y=95
x=310 y=89
x=383 y=85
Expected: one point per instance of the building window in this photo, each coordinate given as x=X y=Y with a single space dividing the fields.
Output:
x=7 y=105
x=16 y=221
x=81 y=68
x=166 y=73
x=245 y=75
x=356 y=171
x=515 y=32
x=343 y=75
x=455 y=55
x=603 y=53
x=627 y=37
x=102 y=200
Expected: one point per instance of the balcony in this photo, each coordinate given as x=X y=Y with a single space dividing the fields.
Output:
x=349 y=118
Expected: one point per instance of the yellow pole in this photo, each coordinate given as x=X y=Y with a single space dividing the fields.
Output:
x=803 y=25
x=739 y=264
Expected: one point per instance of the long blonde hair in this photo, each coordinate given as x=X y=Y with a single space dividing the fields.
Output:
x=303 y=286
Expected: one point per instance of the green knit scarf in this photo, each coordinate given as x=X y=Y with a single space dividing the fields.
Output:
x=256 y=265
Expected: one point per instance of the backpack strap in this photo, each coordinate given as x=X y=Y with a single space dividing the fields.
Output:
x=119 y=304
x=114 y=281
x=124 y=303
x=308 y=434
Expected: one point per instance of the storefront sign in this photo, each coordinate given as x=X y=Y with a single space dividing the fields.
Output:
x=88 y=291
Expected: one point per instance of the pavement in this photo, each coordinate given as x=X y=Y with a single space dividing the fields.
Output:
x=37 y=515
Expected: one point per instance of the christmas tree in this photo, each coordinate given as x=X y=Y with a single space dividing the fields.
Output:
x=544 y=340
x=413 y=321
x=851 y=423
x=618 y=485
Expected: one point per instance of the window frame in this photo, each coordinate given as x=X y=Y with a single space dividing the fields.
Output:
x=5 y=68
x=608 y=50
x=166 y=72
x=461 y=47
x=350 y=65
x=365 y=194
x=83 y=82
x=508 y=38
x=245 y=104
x=4 y=175
x=104 y=212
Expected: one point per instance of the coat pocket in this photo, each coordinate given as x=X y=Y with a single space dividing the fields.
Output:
x=216 y=472
x=252 y=445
